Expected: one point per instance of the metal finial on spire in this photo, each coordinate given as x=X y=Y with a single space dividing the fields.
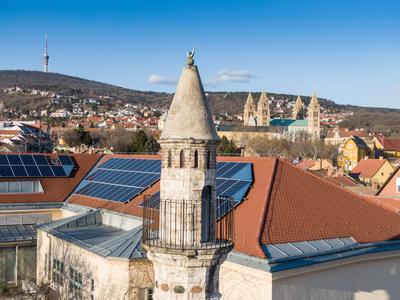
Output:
x=190 y=60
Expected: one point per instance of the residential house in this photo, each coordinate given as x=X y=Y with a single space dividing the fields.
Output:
x=390 y=147
x=338 y=135
x=315 y=164
x=372 y=171
x=353 y=150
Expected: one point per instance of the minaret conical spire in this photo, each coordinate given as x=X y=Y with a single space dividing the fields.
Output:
x=189 y=115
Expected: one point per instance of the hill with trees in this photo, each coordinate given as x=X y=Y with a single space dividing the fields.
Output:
x=374 y=119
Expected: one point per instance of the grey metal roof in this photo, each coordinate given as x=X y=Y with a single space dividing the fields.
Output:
x=76 y=208
x=279 y=252
x=17 y=233
x=29 y=206
x=88 y=232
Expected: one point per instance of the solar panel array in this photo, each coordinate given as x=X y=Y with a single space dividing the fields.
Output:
x=233 y=181
x=27 y=165
x=120 y=179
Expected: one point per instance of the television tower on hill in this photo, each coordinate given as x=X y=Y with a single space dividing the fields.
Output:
x=46 y=57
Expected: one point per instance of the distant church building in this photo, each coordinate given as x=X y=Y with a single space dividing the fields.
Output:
x=301 y=123
x=263 y=115
x=314 y=117
x=249 y=116
x=298 y=109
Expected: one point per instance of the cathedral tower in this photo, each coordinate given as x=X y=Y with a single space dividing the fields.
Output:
x=249 y=114
x=314 y=118
x=45 y=56
x=188 y=249
x=263 y=115
x=298 y=109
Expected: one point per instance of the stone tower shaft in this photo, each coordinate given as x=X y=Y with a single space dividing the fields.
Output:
x=183 y=238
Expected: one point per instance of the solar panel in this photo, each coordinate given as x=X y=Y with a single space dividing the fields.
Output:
x=3 y=160
x=58 y=171
x=14 y=159
x=120 y=179
x=32 y=171
x=38 y=165
x=66 y=160
x=5 y=171
x=27 y=159
x=40 y=160
x=19 y=171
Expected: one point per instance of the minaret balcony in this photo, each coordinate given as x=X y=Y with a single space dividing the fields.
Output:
x=188 y=224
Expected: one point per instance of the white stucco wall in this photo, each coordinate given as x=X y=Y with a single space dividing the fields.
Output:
x=366 y=277
x=113 y=278
x=238 y=282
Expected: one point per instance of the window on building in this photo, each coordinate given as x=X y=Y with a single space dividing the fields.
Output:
x=58 y=272
x=75 y=283
x=169 y=159
x=398 y=184
x=146 y=293
x=208 y=160
x=149 y=294
x=13 y=187
x=182 y=159
x=196 y=159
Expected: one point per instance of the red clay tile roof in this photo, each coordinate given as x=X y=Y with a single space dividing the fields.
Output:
x=343 y=132
x=367 y=168
x=339 y=180
x=389 y=144
x=390 y=203
x=286 y=204
x=305 y=207
x=306 y=164
x=55 y=189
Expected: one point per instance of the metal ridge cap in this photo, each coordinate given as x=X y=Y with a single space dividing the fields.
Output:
x=347 y=251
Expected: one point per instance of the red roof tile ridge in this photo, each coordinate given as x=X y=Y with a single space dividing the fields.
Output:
x=264 y=220
x=364 y=198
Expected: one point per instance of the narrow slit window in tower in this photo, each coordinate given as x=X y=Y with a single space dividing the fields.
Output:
x=182 y=159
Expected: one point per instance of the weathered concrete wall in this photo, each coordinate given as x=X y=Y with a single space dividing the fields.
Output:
x=113 y=278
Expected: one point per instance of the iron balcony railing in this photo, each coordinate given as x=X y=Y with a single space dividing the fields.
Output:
x=188 y=224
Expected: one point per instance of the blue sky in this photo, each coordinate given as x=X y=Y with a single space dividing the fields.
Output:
x=348 y=50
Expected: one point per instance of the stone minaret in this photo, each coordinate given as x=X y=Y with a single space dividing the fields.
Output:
x=298 y=109
x=45 y=57
x=186 y=254
x=314 y=118
x=263 y=115
x=249 y=111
